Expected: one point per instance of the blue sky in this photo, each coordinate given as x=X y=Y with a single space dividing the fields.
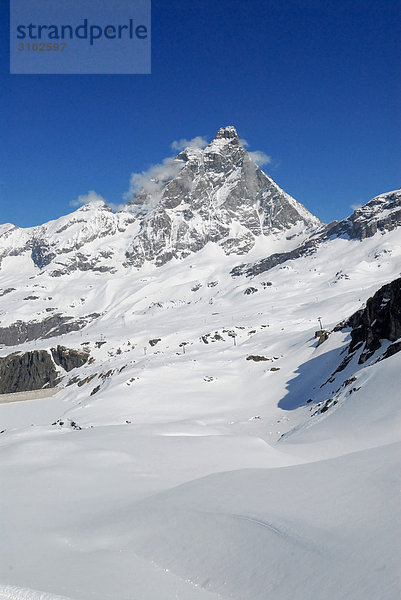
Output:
x=315 y=85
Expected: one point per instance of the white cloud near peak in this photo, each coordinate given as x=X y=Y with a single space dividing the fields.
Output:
x=88 y=198
x=197 y=142
x=260 y=158
x=151 y=183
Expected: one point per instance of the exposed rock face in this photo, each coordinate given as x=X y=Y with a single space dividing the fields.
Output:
x=219 y=195
x=21 y=332
x=6 y=291
x=265 y=264
x=36 y=369
x=383 y=213
x=68 y=358
x=41 y=253
x=25 y=372
x=371 y=328
x=379 y=320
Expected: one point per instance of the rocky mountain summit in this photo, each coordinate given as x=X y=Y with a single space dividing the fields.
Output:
x=382 y=213
x=220 y=195
x=213 y=195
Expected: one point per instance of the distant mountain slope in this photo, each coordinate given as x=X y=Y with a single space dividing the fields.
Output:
x=382 y=213
x=91 y=238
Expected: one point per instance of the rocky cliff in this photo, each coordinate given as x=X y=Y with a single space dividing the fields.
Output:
x=34 y=370
x=379 y=321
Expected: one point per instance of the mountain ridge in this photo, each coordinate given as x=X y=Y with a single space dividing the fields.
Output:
x=382 y=213
x=217 y=194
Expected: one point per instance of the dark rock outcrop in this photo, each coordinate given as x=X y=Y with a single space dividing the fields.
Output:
x=265 y=264
x=25 y=372
x=321 y=335
x=41 y=253
x=37 y=369
x=370 y=329
x=6 y=291
x=20 y=331
x=251 y=290
x=68 y=358
x=379 y=320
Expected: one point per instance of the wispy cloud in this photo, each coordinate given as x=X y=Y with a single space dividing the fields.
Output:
x=356 y=206
x=88 y=198
x=260 y=158
x=148 y=185
x=151 y=183
x=198 y=142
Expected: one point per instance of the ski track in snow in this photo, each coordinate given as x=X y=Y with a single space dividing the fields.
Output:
x=284 y=533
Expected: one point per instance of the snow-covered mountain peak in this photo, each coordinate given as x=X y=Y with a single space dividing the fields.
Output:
x=226 y=143
x=212 y=195
x=226 y=140
x=219 y=195
x=227 y=133
x=94 y=205
x=87 y=239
